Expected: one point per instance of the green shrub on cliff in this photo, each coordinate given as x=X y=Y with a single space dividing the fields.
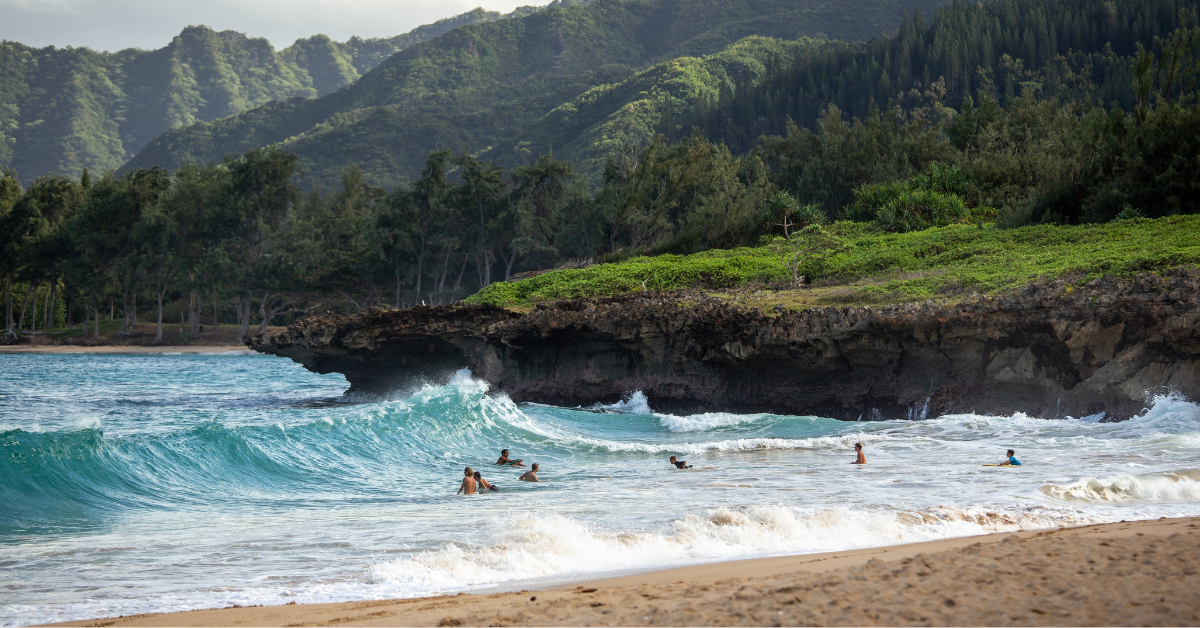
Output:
x=876 y=266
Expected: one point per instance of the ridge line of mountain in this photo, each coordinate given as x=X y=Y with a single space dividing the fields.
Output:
x=70 y=108
x=485 y=84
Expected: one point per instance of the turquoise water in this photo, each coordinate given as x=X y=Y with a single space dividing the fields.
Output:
x=157 y=483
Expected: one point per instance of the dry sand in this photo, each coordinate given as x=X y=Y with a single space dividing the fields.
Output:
x=1142 y=573
x=122 y=349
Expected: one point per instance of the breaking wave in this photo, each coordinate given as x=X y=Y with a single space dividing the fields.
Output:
x=534 y=546
x=1155 y=487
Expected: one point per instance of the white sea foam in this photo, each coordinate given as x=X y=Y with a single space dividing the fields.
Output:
x=1156 y=487
x=544 y=546
x=706 y=421
x=733 y=444
x=360 y=500
x=635 y=403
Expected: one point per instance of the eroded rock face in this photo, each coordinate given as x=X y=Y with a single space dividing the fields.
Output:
x=1049 y=351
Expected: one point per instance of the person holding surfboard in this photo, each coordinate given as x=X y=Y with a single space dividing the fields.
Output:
x=504 y=461
x=861 y=459
x=1012 y=460
x=680 y=464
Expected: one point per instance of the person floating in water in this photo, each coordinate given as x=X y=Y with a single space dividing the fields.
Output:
x=862 y=458
x=1012 y=460
x=468 y=486
x=531 y=474
x=506 y=462
x=484 y=484
x=680 y=464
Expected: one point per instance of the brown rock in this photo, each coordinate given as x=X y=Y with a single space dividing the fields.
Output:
x=1049 y=350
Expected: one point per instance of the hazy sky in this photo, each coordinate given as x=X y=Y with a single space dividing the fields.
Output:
x=116 y=24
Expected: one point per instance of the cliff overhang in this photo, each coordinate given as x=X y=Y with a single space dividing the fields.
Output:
x=1049 y=350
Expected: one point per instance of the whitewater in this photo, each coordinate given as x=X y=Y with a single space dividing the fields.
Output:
x=141 y=483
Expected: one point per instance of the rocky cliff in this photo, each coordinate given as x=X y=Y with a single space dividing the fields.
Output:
x=1051 y=350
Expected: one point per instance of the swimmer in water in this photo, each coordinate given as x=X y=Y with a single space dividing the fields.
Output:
x=680 y=464
x=506 y=462
x=484 y=484
x=531 y=474
x=861 y=459
x=1012 y=460
x=468 y=486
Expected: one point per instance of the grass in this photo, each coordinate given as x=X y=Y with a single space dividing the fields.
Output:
x=878 y=267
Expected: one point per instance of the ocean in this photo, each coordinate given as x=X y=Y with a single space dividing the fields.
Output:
x=143 y=483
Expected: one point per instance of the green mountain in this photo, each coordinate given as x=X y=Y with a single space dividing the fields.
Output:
x=506 y=87
x=64 y=109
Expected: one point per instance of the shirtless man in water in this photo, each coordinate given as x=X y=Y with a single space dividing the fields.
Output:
x=531 y=474
x=484 y=485
x=505 y=461
x=468 y=486
x=861 y=459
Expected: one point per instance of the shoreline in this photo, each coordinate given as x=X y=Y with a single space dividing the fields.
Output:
x=1138 y=572
x=117 y=349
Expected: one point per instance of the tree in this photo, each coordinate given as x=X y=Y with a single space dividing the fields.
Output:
x=809 y=245
x=261 y=191
x=527 y=223
x=37 y=217
x=10 y=242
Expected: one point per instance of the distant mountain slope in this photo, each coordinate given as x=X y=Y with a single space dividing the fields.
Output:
x=484 y=84
x=590 y=127
x=64 y=109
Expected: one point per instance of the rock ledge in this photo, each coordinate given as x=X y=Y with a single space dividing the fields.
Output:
x=1050 y=350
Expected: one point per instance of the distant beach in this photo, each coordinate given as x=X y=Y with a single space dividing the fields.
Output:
x=1128 y=573
x=103 y=349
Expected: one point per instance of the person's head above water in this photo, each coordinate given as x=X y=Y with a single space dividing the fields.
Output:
x=468 y=472
x=504 y=452
x=476 y=475
x=1011 y=453
x=857 y=446
x=673 y=458
x=534 y=467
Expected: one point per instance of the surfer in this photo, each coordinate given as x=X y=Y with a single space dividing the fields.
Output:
x=506 y=462
x=861 y=459
x=484 y=484
x=531 y=474
x=468 y=486
x=680 y=464
x=1012 y=460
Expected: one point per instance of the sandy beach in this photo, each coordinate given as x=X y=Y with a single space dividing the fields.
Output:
x=114 y=349
x=1135 y=573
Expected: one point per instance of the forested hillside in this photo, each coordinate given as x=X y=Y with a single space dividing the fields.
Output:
x=923 y=187
x=65 y=109
x=483 y=85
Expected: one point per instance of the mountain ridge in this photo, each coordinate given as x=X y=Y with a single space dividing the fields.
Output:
x=65 y=109
x=482 y=85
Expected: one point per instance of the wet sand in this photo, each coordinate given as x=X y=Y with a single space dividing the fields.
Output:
x=1143 y=573
x=106 y=349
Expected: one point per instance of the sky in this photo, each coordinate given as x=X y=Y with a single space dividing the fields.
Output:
x=117 y=24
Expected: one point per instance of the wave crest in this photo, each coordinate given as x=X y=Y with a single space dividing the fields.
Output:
x=540 y=546
x=1154 y=487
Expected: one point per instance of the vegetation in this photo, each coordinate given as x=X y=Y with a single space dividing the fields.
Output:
x=490 y=87
x=63 y=110
x=871 y=265
x=932 y=201
x=1067 y=111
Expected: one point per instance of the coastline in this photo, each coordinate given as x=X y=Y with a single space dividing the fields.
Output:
x=1139 y=572
x=115 y=349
